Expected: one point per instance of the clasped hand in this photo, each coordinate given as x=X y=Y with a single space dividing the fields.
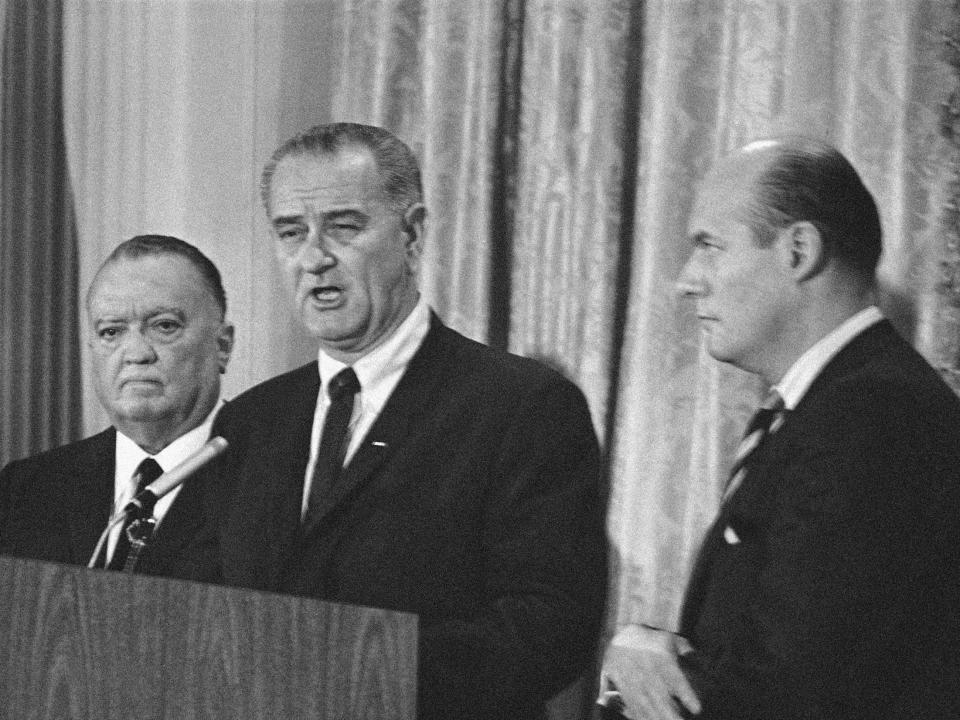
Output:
x=641 y=663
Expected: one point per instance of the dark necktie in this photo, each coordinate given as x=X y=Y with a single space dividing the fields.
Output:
x=761 y=424
x=333 y=446
x=148 y=471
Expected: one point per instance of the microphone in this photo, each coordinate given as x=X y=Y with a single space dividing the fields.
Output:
x=144 y=501
x=142 y=505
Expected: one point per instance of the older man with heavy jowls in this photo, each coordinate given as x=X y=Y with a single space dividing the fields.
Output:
x=409 y=467
x=827 y=588
x=158 y=341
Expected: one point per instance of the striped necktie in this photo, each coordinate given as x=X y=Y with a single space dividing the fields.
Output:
x=766 y=420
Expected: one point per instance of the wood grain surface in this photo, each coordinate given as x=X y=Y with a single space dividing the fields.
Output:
x=78 y=644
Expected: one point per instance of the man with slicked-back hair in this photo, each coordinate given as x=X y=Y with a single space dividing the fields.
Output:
x=159 y=341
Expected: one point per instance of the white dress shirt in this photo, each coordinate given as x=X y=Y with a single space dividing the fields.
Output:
x=378 y=372
x=798 y=379
x=129 y=455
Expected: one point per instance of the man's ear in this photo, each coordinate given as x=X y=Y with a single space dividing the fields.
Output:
x=802 y=250
x=225 y=340
x=413 y=228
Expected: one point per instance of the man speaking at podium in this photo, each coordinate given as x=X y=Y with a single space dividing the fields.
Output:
x=158 y=341
x=411 y=468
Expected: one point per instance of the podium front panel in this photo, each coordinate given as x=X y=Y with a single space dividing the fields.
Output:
x=78 y=644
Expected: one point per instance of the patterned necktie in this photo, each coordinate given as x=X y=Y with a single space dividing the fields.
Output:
x=333 y=441
x=148 y=471
x=766 y=420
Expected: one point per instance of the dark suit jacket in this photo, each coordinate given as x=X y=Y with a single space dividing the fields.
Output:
x=841 y=599
x=473 y=502
x=53 y=507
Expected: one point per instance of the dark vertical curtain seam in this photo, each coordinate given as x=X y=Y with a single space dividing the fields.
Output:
x=6 y=283
x=632 y=106
x=504 y=186
x=15 y=316
x=632 y=87
x=25 y=237
x=46 y=51
x=67 y=394
x=40 y=376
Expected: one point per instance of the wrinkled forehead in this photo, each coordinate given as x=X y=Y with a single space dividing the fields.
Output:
x=345 y=177
x=162 y=279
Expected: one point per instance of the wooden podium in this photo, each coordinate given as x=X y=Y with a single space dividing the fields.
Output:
x=78 y=644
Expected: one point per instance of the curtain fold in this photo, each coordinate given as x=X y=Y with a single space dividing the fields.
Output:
x=869 y=77
x=39 y=343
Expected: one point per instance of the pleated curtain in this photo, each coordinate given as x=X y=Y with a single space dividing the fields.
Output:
x=562 y=142
x=40 y=370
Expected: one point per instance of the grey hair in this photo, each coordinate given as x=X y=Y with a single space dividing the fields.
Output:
x=396 y=163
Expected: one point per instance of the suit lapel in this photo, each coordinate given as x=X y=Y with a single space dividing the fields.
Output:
x=183 y=518
x=866 y=346
x=90 y=491
x=406 y=404
x=271 y=487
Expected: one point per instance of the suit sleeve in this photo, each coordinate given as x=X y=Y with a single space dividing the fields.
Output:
x=836 y=600
x=545 y=571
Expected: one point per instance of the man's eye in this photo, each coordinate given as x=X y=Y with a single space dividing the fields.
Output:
x=108 y=333
x=166 y=327
x=291 y=234
x=343 y=230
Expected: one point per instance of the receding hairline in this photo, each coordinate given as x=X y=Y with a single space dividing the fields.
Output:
x=395 y=163
x=323 y=154
x=115 y=260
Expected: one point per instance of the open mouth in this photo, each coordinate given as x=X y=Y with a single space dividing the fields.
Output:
x=326 y=294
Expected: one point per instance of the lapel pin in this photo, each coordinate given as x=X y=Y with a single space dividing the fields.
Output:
x=730 y=536
x=378 y=443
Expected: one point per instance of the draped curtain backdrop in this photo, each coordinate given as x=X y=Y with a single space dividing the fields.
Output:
x=39 y=330
x=562 y=141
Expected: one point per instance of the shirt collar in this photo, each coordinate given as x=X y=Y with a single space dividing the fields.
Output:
x=797 y=380
x=386 y=360
x=129 y=455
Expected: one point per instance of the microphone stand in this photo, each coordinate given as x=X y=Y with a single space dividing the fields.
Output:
x=139 y=531
x=141 y=507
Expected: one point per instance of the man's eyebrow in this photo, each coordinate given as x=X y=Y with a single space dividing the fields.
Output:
x=165 y=310
x=287 y=219
x=346 y=213
x=329 y=215
x=109 y=318
x=115 y=317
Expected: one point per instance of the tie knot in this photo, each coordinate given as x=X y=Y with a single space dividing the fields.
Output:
x=147 y=471
x=773 y=402
x=771 y=406
x=344 y=384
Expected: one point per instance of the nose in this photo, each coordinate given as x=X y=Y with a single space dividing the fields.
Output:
x=689 y=282
x=137 y=348
x=315 y=255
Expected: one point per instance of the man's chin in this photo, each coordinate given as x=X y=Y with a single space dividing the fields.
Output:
x=331 y=330
x=141 y=409
x=719 y=352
